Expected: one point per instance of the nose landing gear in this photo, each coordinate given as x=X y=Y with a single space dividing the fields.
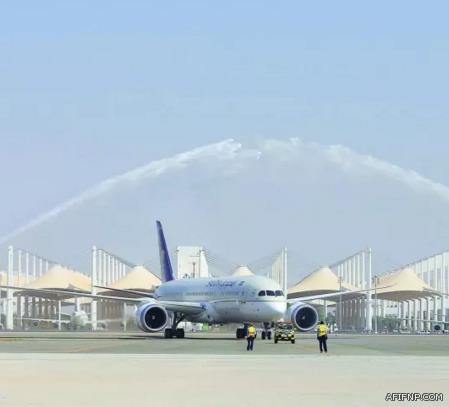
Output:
x=266 y=333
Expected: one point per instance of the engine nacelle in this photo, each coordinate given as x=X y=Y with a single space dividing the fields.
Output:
x=303 y=316
x=151 y=317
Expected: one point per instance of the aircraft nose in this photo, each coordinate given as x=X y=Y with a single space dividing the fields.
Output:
x=279 y=308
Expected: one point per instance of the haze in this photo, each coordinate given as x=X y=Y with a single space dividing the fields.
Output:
x=92 y=91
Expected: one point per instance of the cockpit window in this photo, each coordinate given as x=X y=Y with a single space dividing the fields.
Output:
x=270 y=293
x=279 y=293
x=262 y=294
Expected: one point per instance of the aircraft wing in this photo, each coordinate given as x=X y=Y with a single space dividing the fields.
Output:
x=333 y=296
x=174 y=306
x=69 y=293
x=182 y=306
x=125 y=291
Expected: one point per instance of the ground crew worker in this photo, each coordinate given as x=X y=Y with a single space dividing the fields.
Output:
x=321 y=335
x=250 y=336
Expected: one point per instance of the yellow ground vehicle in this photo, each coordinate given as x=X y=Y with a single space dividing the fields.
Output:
x=284 y=331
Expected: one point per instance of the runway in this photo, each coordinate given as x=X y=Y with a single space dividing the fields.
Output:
x=218 y=343
x=104 y=369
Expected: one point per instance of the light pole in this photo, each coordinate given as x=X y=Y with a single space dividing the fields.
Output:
x=375 y=282
x=340 y=281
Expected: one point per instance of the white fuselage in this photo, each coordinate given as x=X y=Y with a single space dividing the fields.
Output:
x=228 y=299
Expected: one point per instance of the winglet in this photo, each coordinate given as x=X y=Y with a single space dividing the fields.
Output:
x=166 y=268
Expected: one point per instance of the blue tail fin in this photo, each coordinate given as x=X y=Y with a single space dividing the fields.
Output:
x=166 y=269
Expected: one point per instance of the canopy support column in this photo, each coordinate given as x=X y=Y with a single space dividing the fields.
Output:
x=59 y=315
x=94 y=272
x=435 y=310
x=124 y=316
x=9 y=292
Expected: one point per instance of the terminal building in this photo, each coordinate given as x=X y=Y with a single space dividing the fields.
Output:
x=412 y=298
x=191 y=262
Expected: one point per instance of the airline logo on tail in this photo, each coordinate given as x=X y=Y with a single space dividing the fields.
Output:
x=166 y=268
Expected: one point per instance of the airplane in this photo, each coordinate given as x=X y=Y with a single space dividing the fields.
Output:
x=75 y=320
x=242 y=300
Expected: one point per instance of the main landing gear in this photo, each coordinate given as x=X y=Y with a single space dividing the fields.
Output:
x=240 y=333
x=266 y=333
x=175 y=332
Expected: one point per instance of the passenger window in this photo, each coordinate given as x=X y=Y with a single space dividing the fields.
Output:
x=261 y=293
x=279 y=293
x=270 y=293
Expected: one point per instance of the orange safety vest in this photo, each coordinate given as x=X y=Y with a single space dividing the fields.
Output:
x=322 y=330
x=251 y=331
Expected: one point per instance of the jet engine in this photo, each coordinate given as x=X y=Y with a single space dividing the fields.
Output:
x=151 y=317
x=303 y=316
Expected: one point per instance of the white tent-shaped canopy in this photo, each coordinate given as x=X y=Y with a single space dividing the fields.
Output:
x=321 y=281
x=138 y=279
x=242 y=271
x=18 y=281
x=62 y=278
x=59 y=278
x=403 y=285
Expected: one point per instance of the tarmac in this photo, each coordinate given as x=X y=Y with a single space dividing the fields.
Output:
x=110 y=369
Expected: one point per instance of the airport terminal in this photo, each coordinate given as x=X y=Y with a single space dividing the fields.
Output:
x=410 y=299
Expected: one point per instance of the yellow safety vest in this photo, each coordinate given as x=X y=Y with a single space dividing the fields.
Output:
x=251 y=331
x=322 y=330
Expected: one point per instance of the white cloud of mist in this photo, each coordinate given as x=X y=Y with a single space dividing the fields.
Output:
x=353 y=162
x=349 y=160
x=321 y=201
x=225 y=150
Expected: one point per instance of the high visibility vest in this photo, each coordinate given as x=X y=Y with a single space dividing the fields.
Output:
x=251 y=331
x=322 y=330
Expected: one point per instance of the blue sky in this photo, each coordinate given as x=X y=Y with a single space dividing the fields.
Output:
x=91 y=89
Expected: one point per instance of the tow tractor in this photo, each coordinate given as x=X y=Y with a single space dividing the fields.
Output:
x=284 y=331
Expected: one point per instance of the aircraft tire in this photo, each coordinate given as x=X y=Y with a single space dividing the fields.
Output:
x=240 y=333
x=168 y=333
x=180 y=334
